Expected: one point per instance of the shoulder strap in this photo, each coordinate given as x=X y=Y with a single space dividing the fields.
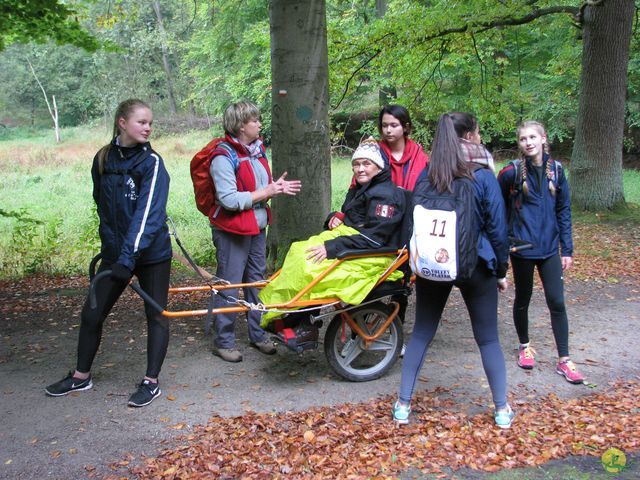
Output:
x=517 y=177
x=232 y=154
x=516 y=192
x=558 y=169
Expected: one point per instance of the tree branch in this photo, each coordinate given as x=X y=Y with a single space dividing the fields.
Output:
x=482 y=26
x=443 y=49
x=482 y=65
x=353 y=74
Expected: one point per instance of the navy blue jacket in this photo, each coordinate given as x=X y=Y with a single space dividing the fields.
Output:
x=539 y=217
x=493 y=245
x=131 y=196
x=493 y=241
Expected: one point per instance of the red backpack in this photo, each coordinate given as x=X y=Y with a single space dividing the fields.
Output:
x=203 y=187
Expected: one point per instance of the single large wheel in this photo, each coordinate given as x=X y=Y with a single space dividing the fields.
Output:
x=345 y=349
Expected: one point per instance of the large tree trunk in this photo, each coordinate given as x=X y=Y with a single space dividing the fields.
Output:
x=173 y=106
x=300 y=130
x=596 y=161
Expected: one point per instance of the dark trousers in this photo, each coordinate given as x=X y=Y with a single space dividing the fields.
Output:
x=241 y=259
x=550 y=271
x=480 y=295
x=154 y=279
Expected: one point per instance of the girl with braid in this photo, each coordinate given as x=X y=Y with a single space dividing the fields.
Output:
x=536 y=194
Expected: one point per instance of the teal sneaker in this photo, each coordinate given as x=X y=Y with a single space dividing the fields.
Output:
x=401 y=413
x=504 y=417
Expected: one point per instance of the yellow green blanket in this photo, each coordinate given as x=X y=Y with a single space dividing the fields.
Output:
x=351 y=281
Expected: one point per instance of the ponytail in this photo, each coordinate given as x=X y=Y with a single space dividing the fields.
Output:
x=447 y=160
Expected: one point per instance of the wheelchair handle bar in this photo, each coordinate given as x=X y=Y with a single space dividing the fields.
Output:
x=93 y=303
x=519 y=246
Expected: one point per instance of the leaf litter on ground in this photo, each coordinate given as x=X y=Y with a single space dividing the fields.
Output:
x=361 y=440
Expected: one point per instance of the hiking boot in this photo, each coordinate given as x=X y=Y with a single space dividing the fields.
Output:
x=526 y=357
x=569 y=371
x=266 y=346
x=146 y=393
x=228 y=354
x=504 y=417
x=401 y=413
x=67 y=385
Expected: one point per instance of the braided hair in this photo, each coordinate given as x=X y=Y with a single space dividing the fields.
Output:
x=548 y=173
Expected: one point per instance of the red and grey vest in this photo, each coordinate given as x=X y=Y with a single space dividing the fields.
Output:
x=241 y=222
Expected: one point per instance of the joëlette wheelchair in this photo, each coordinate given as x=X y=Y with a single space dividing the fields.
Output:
x=361 y=342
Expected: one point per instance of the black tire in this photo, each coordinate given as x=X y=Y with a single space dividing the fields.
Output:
x=349 y=358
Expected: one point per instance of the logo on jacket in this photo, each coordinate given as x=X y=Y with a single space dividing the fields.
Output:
x=385 y=211
x=131 y=194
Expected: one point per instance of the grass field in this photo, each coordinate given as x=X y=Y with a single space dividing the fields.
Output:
x=47 y=215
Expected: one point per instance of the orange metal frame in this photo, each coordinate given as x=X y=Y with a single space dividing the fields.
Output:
x=295 y=302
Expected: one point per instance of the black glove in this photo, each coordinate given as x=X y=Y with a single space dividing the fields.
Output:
x=120 y=273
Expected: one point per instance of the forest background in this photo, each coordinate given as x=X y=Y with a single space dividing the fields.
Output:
x=189 y=60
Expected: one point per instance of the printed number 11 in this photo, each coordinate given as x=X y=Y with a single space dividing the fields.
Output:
x=435 y=225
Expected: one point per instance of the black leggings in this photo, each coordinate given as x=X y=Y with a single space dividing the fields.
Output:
x=480 y=295
x=154 y=279
x=550 y=271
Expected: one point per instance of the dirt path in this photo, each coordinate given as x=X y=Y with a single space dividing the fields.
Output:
x=81 y=435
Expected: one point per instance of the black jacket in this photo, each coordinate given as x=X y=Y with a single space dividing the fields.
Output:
x=131 y=195
x=376 y=210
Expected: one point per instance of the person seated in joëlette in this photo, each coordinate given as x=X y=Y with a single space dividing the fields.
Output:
x=370 y=218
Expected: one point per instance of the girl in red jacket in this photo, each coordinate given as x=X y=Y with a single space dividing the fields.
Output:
x=405 y=158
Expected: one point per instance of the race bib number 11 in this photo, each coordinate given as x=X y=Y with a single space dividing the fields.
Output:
x=433 y=244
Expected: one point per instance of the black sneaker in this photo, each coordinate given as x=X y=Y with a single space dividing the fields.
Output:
x=146 y=393
x=67 y=385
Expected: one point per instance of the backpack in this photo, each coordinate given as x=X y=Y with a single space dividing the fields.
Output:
x=516 y=188
x=203 y=187
x=444 y=241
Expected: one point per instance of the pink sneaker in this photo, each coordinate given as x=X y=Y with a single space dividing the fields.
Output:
x=570 y=372
x=526 y=358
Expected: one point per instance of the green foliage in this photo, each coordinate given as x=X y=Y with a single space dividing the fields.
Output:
x=438 y=55
x=32 y=244
x=503 y=75
x=41 y=20
x=228 y=57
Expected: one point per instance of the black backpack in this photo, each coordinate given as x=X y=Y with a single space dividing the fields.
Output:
x=444 y=240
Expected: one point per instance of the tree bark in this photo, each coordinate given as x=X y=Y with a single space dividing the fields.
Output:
x=165 y=58
x=596 y=160
x=300 y=121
